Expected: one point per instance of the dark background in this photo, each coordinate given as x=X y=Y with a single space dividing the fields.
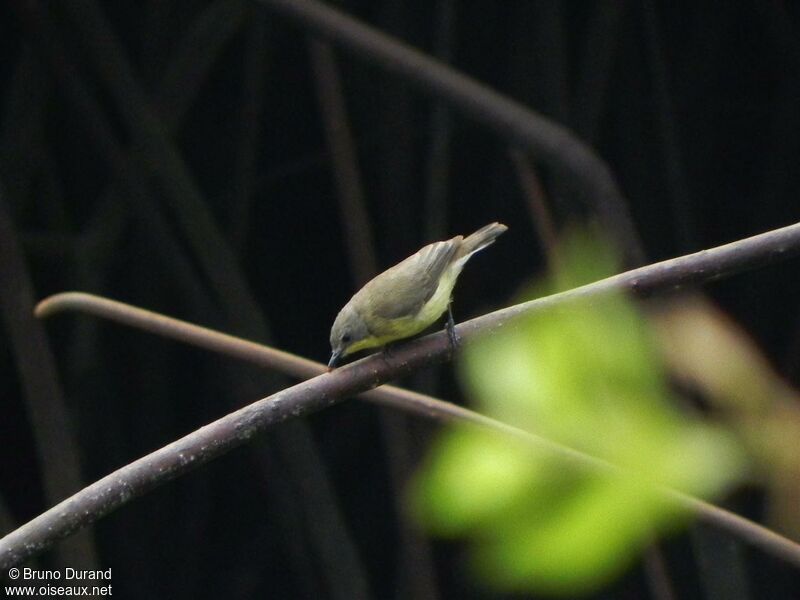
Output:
x=173 y=155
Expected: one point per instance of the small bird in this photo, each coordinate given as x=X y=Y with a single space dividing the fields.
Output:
x=408 y=297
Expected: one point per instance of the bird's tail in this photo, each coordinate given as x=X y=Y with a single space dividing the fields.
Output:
x=480 y=239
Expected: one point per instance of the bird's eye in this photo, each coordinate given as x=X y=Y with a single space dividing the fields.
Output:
x=346 y=338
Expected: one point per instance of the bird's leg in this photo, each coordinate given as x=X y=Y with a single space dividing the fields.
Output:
x=451 y=327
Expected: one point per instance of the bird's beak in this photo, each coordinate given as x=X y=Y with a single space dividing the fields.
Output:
x=336 y=356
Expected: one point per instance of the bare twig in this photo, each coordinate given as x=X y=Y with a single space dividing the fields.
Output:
x=341 y=145
x=352 y=203
x=183 y=195
x=197 y=51
x=323 y=391
x=537 y=203
x=692 y=269
x=258 y=354
x=185 y=72
x=364 y=265
x=192 y=215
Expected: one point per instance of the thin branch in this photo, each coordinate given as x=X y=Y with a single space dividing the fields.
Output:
x=193 y=217
x=364 y=265
x=184 y=197
x=257 y=354
x=328 y=389
x=186 y=70
x=537 y=205
x=416 y=559
x=549 y=141
x=351 y=200
x=692 y=269
x=344 y=157
x=188 y=67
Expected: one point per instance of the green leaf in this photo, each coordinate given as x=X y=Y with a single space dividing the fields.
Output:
x=588 y=376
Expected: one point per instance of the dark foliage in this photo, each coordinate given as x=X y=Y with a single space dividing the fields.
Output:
x=176 y=156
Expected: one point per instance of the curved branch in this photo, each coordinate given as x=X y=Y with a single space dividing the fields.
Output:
x=517 y=124
x=327 y=389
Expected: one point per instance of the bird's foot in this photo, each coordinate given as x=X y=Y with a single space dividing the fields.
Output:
x=450 y=327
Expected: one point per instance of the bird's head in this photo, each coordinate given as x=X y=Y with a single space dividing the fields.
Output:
x=347 y=335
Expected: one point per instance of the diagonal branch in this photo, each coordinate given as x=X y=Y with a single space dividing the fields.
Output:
x=325 y=390
x=413 y=551
x=213 y=254
x=344 y=159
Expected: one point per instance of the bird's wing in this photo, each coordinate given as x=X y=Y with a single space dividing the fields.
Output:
x=411 y=283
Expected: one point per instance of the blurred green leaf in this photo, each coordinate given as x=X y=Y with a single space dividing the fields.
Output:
x=712 y=354
x=588 y=376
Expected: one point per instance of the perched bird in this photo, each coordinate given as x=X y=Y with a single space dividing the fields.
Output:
x=408 y=297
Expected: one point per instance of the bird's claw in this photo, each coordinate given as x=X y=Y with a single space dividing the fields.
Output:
x=450 y=327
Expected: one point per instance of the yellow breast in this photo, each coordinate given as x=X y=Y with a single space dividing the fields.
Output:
x=404 y=327
x=435 y=307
